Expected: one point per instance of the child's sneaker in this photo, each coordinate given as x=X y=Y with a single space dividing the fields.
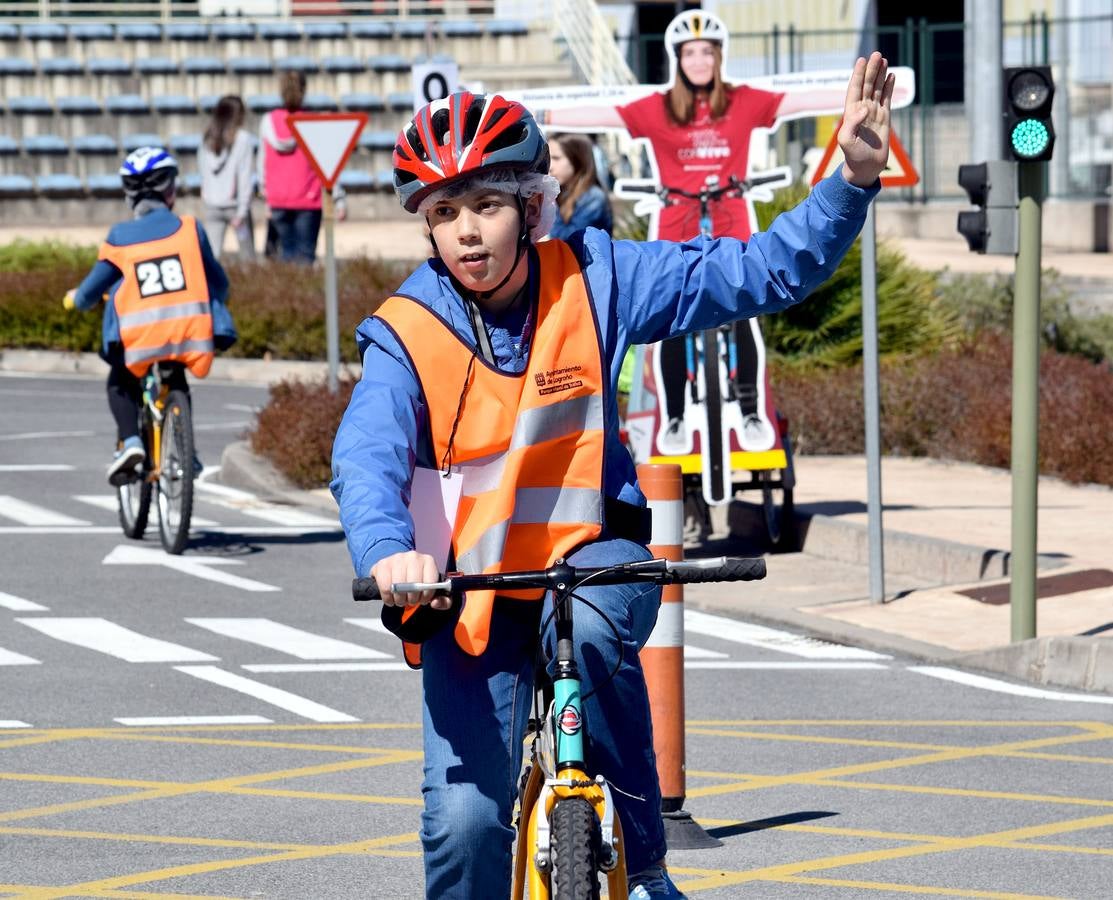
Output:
x=125 y=462
x=651 y=883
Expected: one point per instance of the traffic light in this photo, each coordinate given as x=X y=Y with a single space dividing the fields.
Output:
x=1029 y=133
x=992 y=187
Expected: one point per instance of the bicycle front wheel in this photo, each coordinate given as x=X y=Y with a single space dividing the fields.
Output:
x=575 y=850
x=175 y=473
x=133 y=498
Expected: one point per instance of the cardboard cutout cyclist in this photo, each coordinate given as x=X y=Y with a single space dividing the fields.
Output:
x=496 y=364
x=698 y=127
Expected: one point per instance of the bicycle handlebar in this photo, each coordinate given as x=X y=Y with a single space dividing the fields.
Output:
x=734 y=185
x=562 y=576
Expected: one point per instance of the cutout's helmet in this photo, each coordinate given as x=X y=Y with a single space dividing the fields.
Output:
x=695 y=25
x=462 y=135
x=148 y=172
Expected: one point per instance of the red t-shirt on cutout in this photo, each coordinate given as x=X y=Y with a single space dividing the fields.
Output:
x=687 y=154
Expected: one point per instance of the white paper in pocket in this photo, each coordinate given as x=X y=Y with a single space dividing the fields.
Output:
x=434 y=500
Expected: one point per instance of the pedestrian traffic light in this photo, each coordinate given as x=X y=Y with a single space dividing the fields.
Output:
x=1029 y=133
x=991 y=186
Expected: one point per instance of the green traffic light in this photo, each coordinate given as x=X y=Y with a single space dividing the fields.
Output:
x=1030 y=138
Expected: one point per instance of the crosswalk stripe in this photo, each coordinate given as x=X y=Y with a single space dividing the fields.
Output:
x=194 y=720
x=783 y=666
x=11 y=658
x=13 y=723
x=18 y=604
x=770 y=638
x=371 y=625
x=286 y=639
x=691 y=652
x=30 y=514
x=329 y=667
x=109 y=502
x=36 y=467
x=292 y=516
x=107 y=637
x=275 y=696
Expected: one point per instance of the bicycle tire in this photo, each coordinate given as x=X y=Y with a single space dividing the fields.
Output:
x=133 y=498
x=575 y=850
x=175 y=475
x=713 y=406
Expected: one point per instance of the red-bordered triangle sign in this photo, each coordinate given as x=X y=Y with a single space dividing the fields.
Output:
x=328 y=139
x=898 y=172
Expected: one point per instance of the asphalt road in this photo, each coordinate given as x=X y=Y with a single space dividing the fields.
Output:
x=232 y=725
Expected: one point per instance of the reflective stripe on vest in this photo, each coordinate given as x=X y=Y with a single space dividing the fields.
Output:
x=163 y=301
x=529 y=446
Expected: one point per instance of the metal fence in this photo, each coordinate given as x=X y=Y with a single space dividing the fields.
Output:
x=935 y=128
x=185 y=10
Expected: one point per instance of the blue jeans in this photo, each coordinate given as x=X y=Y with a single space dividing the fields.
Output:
x=297 y=233
x=475 y=714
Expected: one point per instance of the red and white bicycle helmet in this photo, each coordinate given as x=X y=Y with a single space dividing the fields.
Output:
x=695 y=25
x=462 y=135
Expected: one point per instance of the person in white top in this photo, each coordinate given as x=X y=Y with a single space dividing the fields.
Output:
x=226 y=160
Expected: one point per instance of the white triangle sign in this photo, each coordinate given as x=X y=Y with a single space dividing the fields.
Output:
x=328 y=140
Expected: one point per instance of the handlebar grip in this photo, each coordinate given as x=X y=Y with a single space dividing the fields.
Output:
x=365 y=589
x=731 y=569
x=763 y=179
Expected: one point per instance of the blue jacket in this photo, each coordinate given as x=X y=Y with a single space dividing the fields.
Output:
x=643 y=293
x=590 y=211
x=105 y=278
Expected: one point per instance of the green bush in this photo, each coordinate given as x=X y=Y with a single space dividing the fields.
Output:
x=40 y=256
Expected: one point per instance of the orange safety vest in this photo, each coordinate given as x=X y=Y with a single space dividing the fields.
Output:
x=163 y=301
x=529 y=446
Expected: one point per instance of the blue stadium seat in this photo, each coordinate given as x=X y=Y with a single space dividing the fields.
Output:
x=141 y=139
x=251 y=65
x=461 y=29
x=186 y=31
x=45 y=145
x=400 y=100
x=92 y=31
x=61 y=65
x=202 y=65
x=296 y=64
x=233 y=31
x=185 y=144
x=95 y=145
x=319 y=31
x=191 y=183
x=43 y=31
x=60 y=185
x=208 y=102
x=374 y=30
x=356 y=182
x=362 y=101
x=30 y=106
x=156 y=65
x=435 y=58
x=497 y=27
x=384 y=180
x=389 y=62
x=108 y=65
x=8 y=32
x=139 y=31
x=16 y=186
x=8 y=146
x=378 y=140
x=319 y=103
x=279 y=31
x=104 y=185
x=13 y=65
x=75 y=105
x=342 y=64
x=169 y=104
x=261 y=103
x=127 y=105
x=410 y=28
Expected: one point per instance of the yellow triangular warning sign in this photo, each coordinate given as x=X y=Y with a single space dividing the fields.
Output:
x=899 y=172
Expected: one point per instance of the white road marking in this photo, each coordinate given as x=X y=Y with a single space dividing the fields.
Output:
x=370 y=625
x=30 y=514
x=242 y=407
x=35 y=467
x=246 y=530
x=110 y=503
x=11 y=658
x=200 y=567
x=13 y=723
x=107 y=637
x=329 y=667
x=220 y=426
x=782 y=666
x=286 y=639
x=770 y=638
x=691 y=652
x=281 y=515
x=18 y=604
x=204 y=485
x=1004 y=687
x=34 y=435
x=272 y=695
x=194 y=720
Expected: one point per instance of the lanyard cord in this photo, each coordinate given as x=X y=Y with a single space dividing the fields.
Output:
x=446 y=460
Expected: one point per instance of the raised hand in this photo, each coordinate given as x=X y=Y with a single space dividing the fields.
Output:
x=864 y=135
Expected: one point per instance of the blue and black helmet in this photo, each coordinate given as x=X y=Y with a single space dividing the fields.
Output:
x=148 y=172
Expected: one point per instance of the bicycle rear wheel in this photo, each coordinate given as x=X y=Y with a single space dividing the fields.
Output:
x=133 y=498
x=575 y=850
x=175 y=473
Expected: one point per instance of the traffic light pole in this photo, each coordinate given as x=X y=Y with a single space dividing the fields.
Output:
x=1025 y=411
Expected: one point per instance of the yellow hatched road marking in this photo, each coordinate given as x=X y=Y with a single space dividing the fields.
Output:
x=22 y=889
x=958 y=792
x=229 y=742
x=901 y=723
x=911 y=888
x=815 y=739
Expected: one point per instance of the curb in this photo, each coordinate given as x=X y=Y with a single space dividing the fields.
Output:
x=241 y=468
x=1085 y=663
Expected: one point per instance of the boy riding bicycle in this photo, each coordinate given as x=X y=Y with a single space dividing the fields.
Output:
x=497 y=360
x=165 y=295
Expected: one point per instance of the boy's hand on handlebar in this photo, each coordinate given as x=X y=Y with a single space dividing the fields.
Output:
x=69 y=301
x=408 y=566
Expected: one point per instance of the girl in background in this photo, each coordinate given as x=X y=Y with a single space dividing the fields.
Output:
x=582 y=203
x=226 y=161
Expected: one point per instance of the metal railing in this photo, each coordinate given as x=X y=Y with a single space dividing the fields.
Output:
x=26 y=11
x=591 y=43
